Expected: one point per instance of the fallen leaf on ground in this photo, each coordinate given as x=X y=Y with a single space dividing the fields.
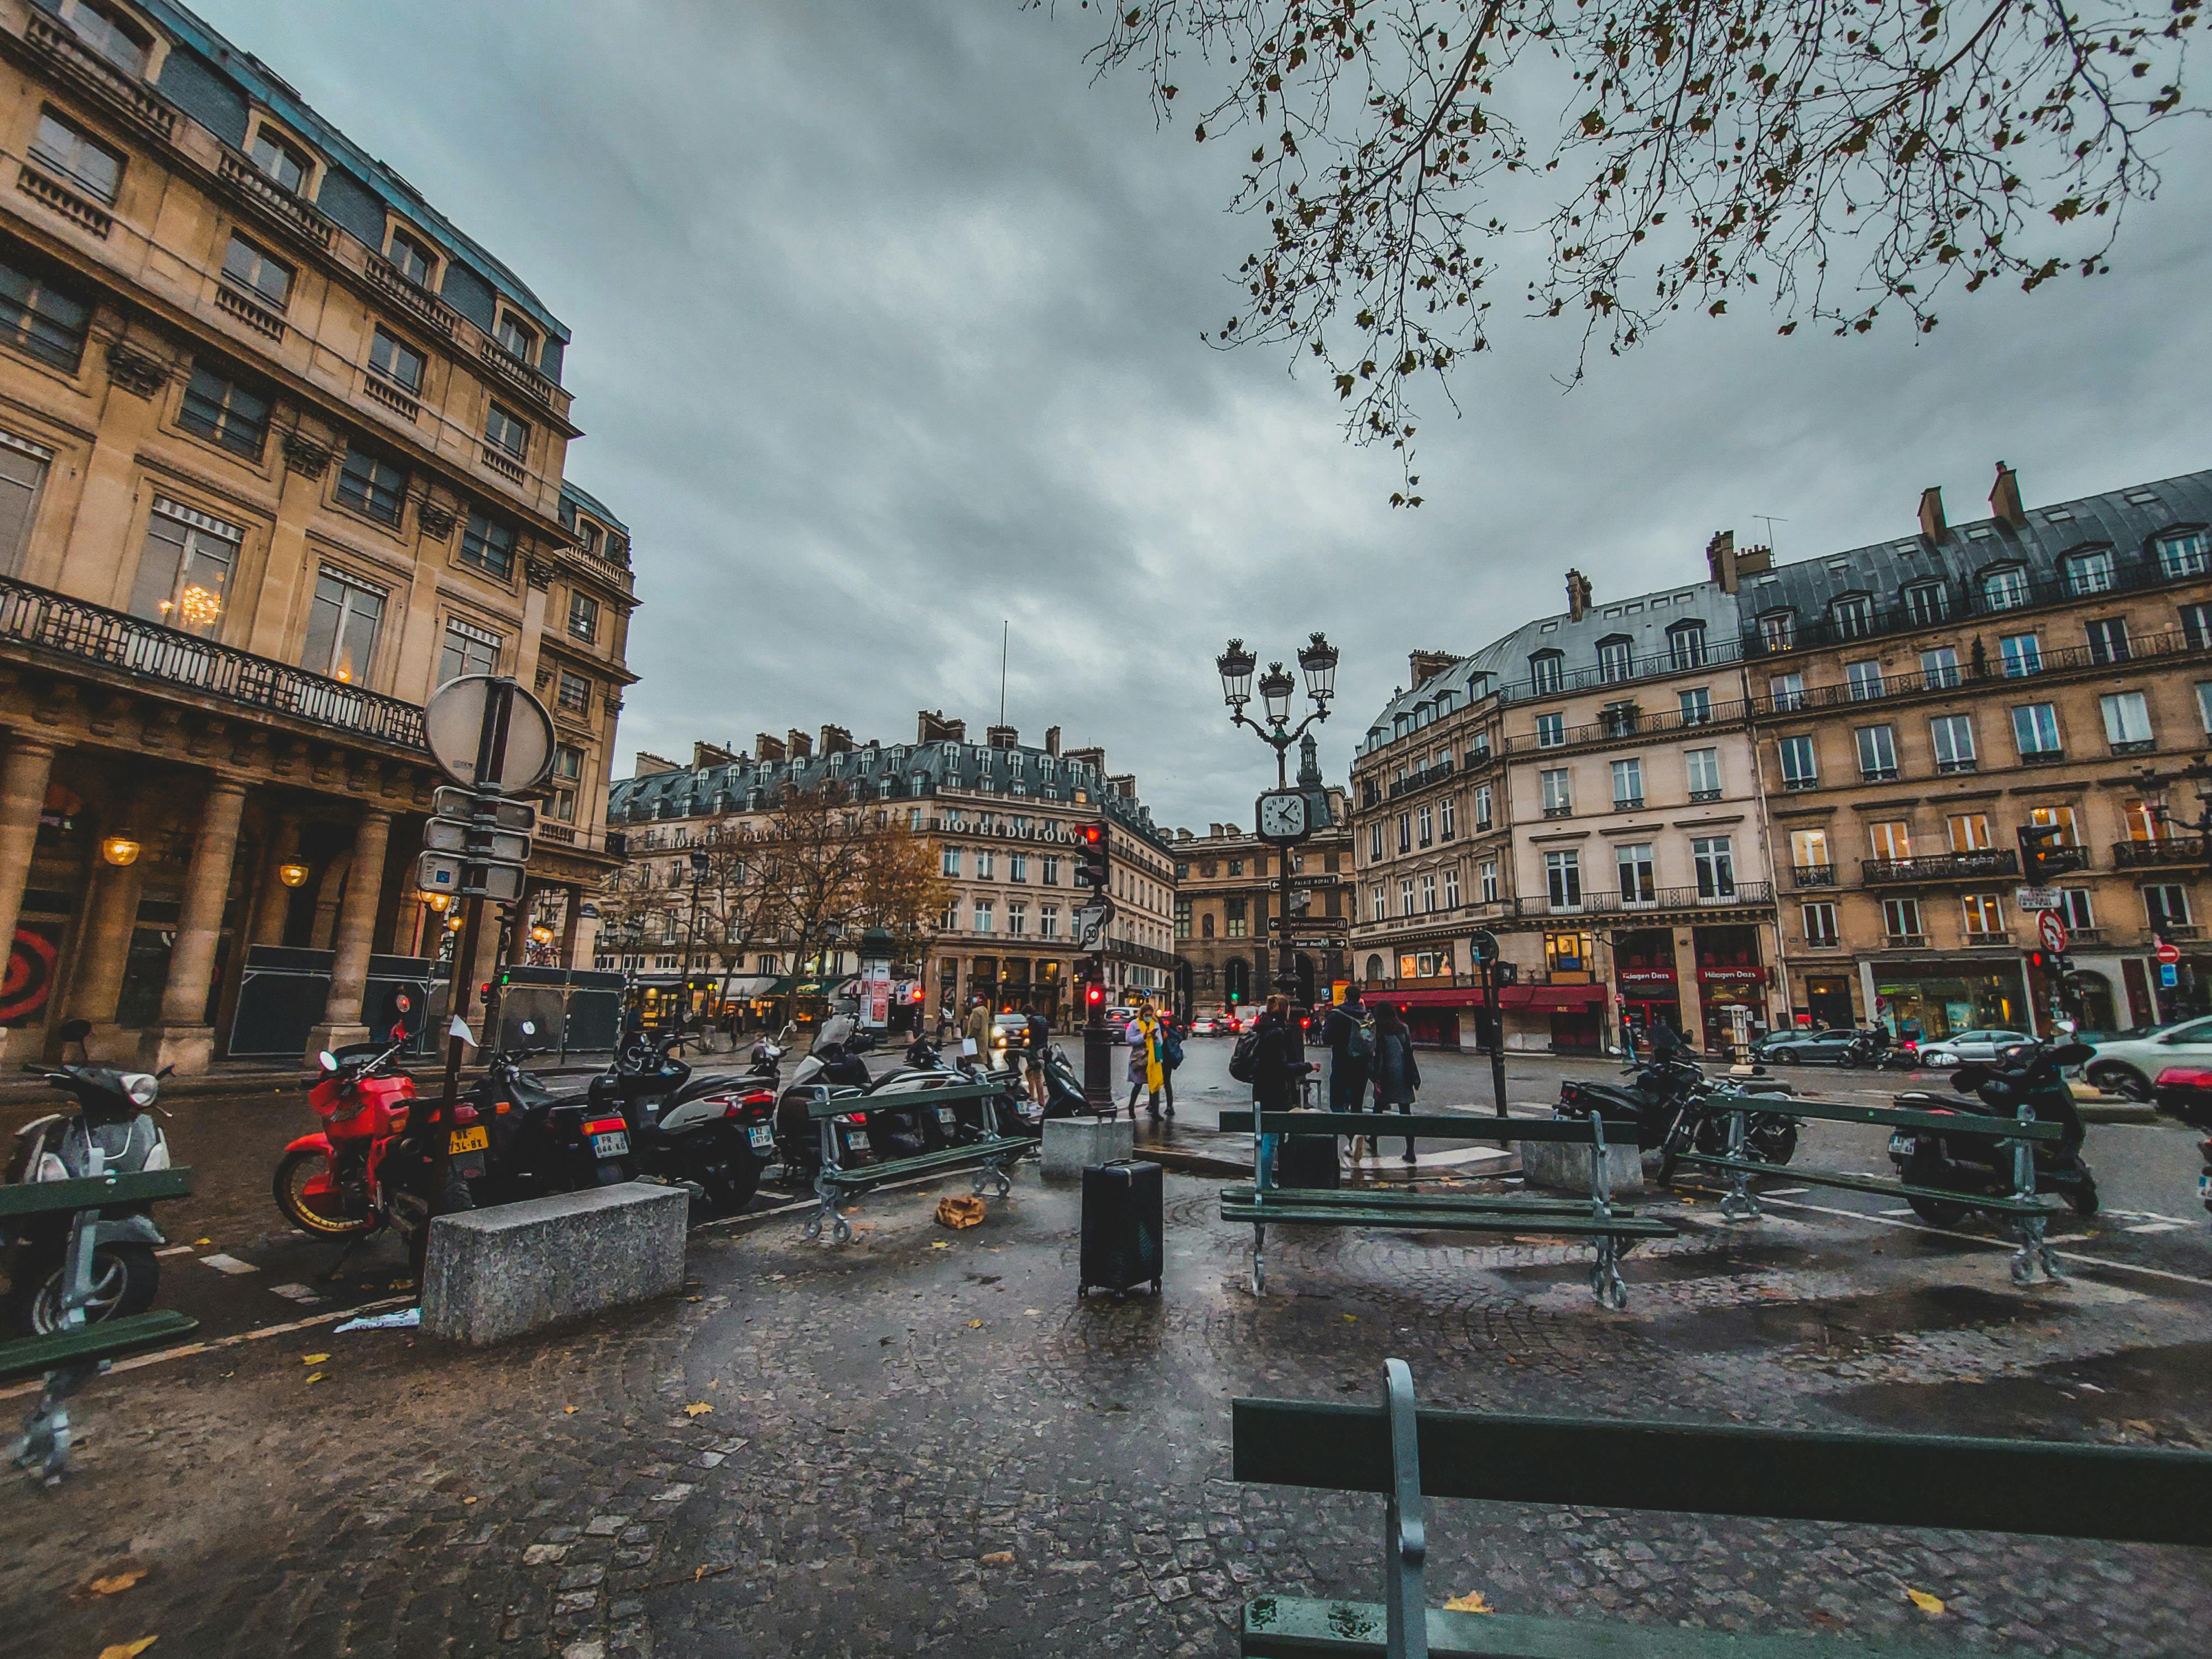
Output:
x=313 y=1358
x=567 y=1410
x=1930 y=1605
x=204 y=1240
x=999 y=1558
x=974 y=1324
x=1033 y=1312
x=1352 y=1319
x=698 y=1408
x=129 y=1650
x=1470 y=1602
x=941 y=1245
x=116 y=1582
x=468 y=1500
x=314 y=1377
x=2142 y=1424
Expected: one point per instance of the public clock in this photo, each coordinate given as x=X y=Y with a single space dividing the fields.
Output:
x=1282 y=816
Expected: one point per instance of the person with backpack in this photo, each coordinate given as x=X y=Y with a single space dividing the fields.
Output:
x=1397 y=1075
x=1170 y=1059
x=1351 y=1044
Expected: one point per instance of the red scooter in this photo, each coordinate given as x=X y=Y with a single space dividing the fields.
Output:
x=365 y=1170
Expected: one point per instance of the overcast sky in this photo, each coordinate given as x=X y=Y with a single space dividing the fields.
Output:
x=887 y=326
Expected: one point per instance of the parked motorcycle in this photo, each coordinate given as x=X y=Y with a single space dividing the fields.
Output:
x=704 y=1131
x=113 y=1131
x=542 y=1142
x=2029 y=1075
x=867 y=1133
x=370 y=1166
x=1655 y=1096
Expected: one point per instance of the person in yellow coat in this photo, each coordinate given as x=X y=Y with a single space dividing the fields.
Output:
x=1147 y=1064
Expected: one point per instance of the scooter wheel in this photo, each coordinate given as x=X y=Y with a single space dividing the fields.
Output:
x=293 y=1171
x=731 y=1185
x=1936 y=1213
x=124 y=1278
x=2081 y=1197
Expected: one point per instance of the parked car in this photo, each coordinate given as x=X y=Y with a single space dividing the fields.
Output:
x=1009 y=1031
x=1117 y=1022
x=1206 y=1025
x=2185 y=1093
x=1804 y=1047
x=1979 y=1046
x=2128 y=1065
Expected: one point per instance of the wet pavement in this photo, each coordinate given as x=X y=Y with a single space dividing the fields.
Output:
x=924 y=1441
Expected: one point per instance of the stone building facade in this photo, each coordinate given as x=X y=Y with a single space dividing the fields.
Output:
x=1919 y=701
x=1001 y=816
x=281 y=449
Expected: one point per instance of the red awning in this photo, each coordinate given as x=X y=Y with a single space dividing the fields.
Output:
x=1533 y=999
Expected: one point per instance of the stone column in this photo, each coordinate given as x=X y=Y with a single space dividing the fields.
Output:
x=356 y=933
x=571 y=922
x=23 y=776
x=517 y=947
x=184 y=1039
x=103 y=953
x=1689 y=990
x=273 y=908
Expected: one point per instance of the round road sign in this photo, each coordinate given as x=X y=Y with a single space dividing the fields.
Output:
x=2168 y=951
x=454 y=726
x=2054 y=932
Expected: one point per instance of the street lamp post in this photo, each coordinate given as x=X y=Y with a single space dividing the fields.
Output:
x=1286 y=826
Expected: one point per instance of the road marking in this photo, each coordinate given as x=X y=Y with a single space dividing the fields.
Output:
x=2002 y=1245
x=175 y=1249
x=228 y=1264
x=1907 y=1210
x=1785 y=1192
x=2155 y=1227
x=255 y=1335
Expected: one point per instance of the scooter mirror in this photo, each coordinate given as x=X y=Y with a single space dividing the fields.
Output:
x=529 y=1028
x=327 y=1060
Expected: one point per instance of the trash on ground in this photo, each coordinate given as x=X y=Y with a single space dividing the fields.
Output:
x=406 y=1320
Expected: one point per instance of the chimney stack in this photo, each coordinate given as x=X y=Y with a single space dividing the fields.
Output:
x=836 y=740
x=1052 y=740
x=1094 y=758
x=1425 y=665
x=1932 y=523
x=2004 y=498
x=767 y=748
x=710 y=754
x=1721 y=561
x=1578 y=597
x=648 y=764
x=932 y=727
x=1002 y=736
x=800 y=745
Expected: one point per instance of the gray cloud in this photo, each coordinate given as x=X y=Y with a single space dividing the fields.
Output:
x=886 y=329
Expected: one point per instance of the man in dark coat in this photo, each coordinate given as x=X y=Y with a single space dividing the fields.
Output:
x=1344 y=1029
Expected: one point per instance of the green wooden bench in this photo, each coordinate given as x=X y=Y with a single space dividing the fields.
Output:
x=2121 y=1493
x=988 y=1155
x=1264 y=1203
x=2026 y=1211
x=71 y=1357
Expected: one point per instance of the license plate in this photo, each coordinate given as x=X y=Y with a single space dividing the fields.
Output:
x=947 y=1116
x=2204 y=1188
x=614 y=1144
x=761 y=1134
x=1900 y=1145
x=857 y=1139
x=468 y=1140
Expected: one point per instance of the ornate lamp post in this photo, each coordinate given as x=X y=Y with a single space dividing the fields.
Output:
x=1282 y=816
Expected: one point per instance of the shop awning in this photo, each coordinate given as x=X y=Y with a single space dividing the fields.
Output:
x=1528 y=999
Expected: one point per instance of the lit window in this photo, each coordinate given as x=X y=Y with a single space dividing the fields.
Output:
x=184 y=576
x=1969 y=832
x=396 y=361
x=267 y=277
x=1891 y=839
x=67 y=150
x=1985 y=915
x=1777 y=630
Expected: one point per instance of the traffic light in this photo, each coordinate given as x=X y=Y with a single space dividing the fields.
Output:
x=1093 y=997
x=1235 y=997
x=2042 y=855
x=1091 y=846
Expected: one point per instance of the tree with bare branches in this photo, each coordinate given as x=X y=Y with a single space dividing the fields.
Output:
x=1839 y=159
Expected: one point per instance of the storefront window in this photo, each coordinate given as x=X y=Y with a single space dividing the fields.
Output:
x=1568 y=953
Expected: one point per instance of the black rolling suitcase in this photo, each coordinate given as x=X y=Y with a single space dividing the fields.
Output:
x=1121 y=1223
x=1307 y=1162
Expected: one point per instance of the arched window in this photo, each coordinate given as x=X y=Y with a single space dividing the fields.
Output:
x=1374 y=968
x=1686 y=644
x=1546 y=671
x=2005 y=587
x=1206 y=926
x=1616 y=657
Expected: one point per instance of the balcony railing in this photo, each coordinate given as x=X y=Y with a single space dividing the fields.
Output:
x=425 y=306
x=1908 y=941
x=79 y=63
x=274 y=202
x=1435 y=773
x=1713 y=653
x=2056 y=659
x=90 y=633
x=1947 y=866
x=1812 y=875
x=1661 y=898
x=2165 y=853
x=1625 y=723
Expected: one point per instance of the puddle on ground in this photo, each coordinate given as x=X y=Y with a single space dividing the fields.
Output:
x=1639 y=1268
x=2145 y=1396
x=1850 y=1325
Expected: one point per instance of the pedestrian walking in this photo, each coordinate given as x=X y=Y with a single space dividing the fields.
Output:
x=1351 y=1045
x=979 y=1032
x=1397 y=1074
x=1170 y=1059
x=1279 y=1069
x=1039 y=1033
x=1147 y=1065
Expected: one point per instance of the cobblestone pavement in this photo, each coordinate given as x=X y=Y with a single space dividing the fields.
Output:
x=925 y=1442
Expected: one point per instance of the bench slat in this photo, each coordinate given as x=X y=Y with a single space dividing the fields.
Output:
x=109 y=1339
x=1289 y=1627
x=1962 y=1122
x=952 y=1158
x=1370 y=1198
x=93 y=1192
x=2124 y=1494
x=1868 y=1184
x=904 y=1099
x=1446 y=1219
x=1464 y=1125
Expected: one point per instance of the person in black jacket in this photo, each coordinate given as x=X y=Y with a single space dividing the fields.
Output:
x=1347 y=1072
x=1279 y=1066
x=1397 y=1075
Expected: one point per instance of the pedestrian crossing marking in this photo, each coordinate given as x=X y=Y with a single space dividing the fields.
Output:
x=228 y=1264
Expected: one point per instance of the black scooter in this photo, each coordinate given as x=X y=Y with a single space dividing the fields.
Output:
x=2030 y=1074
x=702 y=1131
x=542 y=1142
x=1654 y=1099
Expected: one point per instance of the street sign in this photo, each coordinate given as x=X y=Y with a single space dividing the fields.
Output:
x=2039 y=898
x=1275 y=882
x=2168 y=976
x=1090 y=926
x=464 y=804
x=2169 y=953
x=2053 y=931
x=447 y=872
x=1484 y=944
x=477 y=841
x=456 y=727
x=1315 y=944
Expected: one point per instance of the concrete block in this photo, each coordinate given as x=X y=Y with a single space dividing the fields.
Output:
x=1554 y=1167
x=1072 y=1145
x=496 y=1273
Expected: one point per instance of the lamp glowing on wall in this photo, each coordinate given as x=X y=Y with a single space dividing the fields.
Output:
x=436 y=901
x=453 y=924
x=119 y=849
x=541 y=934
x=292 y=873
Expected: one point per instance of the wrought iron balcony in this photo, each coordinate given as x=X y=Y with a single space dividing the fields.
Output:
x=1812 y=875
x=1658 y=898
x=51 y=622
x=2167 y=852
x=1614 y=725
x=1947 y=866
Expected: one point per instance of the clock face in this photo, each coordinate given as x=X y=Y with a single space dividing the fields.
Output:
x=1282 y=816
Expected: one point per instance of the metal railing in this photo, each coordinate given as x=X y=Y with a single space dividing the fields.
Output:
x=1630 y=723
x=1947 y=866
x=1421 y=779
x=1711 y=654
x=1812 y=875
x=279 y=204
x=2165 y=852
x=1659 y=898
x=48 y=620
x=78 y=62
x=1964 y=601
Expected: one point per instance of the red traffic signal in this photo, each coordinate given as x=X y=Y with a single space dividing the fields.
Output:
x=1093 y=994
x=1092 y=846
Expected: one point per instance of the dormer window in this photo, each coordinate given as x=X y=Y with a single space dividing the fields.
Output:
x=1777 y=630
x=2004 y=588
x=1686 y=644
x=1927 y=602
x=520 y=341
x=283 y=164
x=2089 y=572
x=412 y=258
x=1853 y=615
x=1546 y=671
x=1615 y=658
x=2184 y=553
x=122 y=44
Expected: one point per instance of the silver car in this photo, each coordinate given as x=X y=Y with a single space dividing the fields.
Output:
x=1963 y=1046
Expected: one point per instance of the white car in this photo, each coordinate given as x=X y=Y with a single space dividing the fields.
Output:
x=2129 y=1066
x=1963 y=1046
